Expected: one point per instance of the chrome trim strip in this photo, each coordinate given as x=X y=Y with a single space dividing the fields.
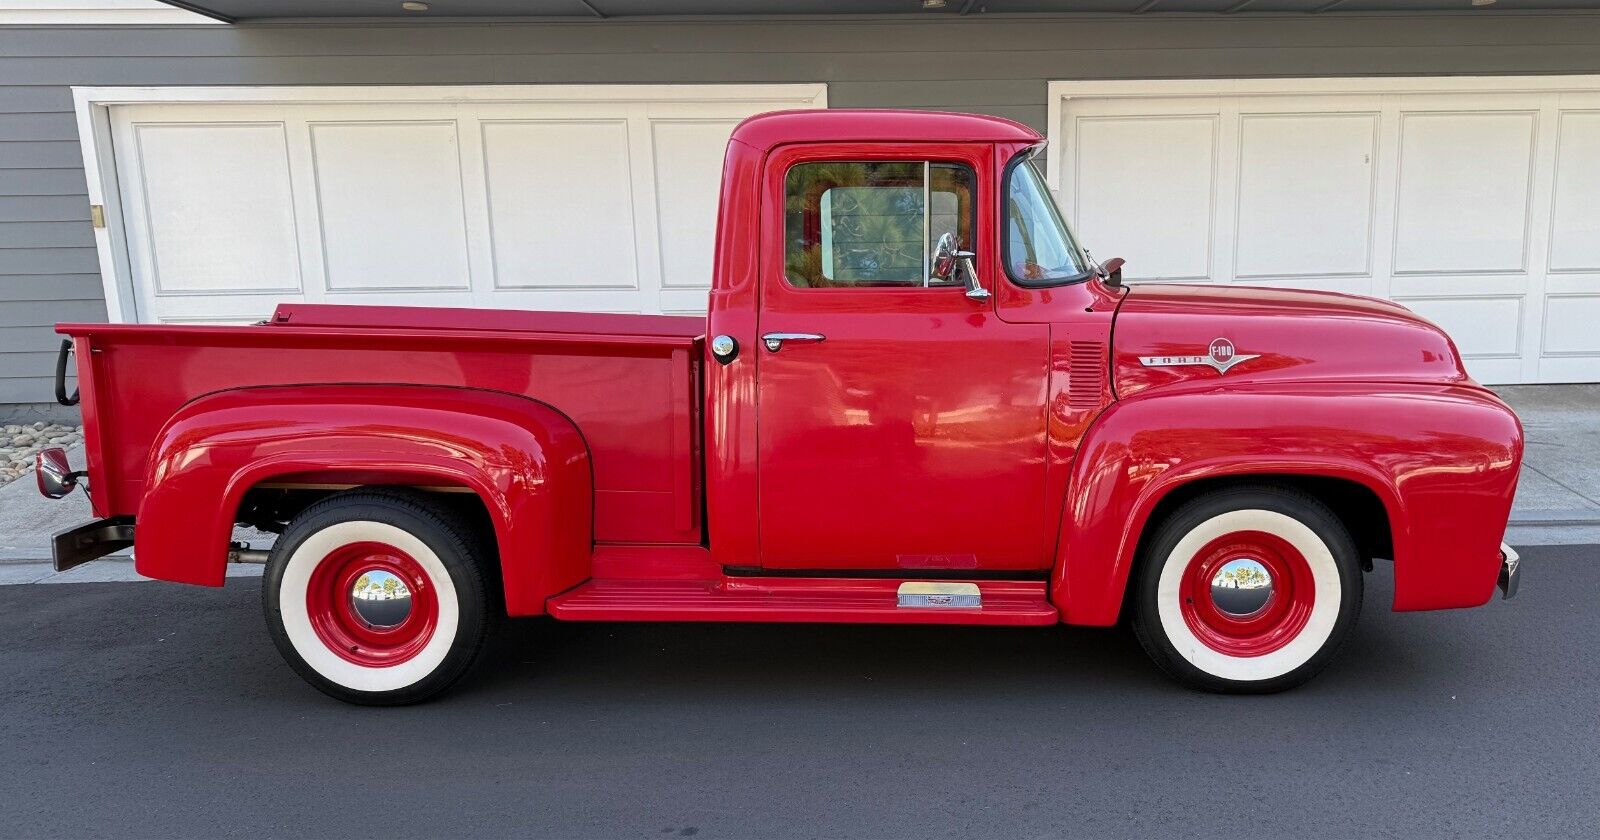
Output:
x=1185 y=361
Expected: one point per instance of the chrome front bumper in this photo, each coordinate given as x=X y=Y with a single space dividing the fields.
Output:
x=1510 y=568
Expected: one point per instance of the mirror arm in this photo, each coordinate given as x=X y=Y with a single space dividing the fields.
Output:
x=975 y=290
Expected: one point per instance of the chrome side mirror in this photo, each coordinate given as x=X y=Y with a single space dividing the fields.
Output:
x=947 y=261
x=1111 y=271
x=944 y=259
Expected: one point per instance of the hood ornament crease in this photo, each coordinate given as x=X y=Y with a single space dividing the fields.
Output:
x=1221 y=356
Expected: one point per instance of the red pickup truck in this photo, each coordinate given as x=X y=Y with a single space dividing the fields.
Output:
x=916 y=399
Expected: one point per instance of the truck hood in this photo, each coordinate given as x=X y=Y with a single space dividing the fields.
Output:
x=1168 y=335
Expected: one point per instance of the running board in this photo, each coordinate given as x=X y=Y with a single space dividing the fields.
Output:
x=831 y=600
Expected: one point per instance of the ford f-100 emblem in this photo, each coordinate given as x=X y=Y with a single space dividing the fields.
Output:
x=1222 y=356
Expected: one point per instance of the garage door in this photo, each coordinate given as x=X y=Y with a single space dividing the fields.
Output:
x=606 y=203
x=1474 y=202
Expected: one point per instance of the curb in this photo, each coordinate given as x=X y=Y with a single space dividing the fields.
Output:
x=110 y=570
x=1580 y=517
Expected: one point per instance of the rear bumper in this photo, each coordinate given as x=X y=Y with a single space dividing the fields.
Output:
x=1510 y=571
x=91 y=541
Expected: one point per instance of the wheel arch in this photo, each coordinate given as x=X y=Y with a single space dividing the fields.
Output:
x=524 y=461
x=1357 y=506
x=1355 y=503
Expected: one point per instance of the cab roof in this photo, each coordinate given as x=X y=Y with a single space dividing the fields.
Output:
x=846 y=125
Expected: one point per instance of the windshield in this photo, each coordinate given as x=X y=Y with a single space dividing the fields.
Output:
x=1039 y=250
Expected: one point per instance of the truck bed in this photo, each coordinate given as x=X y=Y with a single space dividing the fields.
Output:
x=629 y=382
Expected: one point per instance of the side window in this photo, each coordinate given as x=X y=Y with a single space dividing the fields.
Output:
x=874 y=225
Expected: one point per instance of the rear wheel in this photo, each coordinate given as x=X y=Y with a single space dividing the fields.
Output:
x=377 y=597
x=1247 y=590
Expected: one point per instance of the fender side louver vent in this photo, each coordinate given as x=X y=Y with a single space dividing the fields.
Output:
x=1086 y=380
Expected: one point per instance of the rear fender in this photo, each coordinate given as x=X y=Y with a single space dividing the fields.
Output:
x=1442 y=460
x=526 y=461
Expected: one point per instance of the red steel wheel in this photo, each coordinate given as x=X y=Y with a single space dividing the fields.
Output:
x=1247 y=593
x=372 y=604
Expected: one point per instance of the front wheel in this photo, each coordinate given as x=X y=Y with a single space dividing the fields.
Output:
x=1247 y=590
x=377 y=597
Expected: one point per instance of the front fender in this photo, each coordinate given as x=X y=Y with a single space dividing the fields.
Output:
x=1442 y=459
x=526 y=461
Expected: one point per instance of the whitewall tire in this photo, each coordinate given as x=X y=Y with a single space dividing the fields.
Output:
x=1247 y=589
x=377 y=597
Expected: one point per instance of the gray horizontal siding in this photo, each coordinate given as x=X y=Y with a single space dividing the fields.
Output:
x=40 y=154
x=30 y=99
x=44 y=208
x=776 y=67
x=33 y=339
x=15 y=288
x=39 y=126
x=66 y=260
x=46 y=312
x=46 y=235
x=27 y=391
x=23 y=183
x=996 y=65
x=27 y=375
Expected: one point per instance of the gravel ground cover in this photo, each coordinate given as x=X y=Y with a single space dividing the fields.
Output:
x=19 y=442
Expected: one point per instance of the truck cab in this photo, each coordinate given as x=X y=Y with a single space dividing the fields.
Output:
x=916 y=398
x=875 y=354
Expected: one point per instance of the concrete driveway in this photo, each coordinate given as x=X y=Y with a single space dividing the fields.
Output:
x=1558 y=495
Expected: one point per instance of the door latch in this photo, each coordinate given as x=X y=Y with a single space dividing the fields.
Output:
x=775 y=340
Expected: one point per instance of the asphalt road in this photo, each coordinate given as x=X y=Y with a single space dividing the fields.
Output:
x=148 y=709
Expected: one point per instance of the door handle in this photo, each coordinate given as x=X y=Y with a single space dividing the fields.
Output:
x=775 y=340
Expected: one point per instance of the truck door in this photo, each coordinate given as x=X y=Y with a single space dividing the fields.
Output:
x=901 y=424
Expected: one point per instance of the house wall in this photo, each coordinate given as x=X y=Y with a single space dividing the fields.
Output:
x=994 y=65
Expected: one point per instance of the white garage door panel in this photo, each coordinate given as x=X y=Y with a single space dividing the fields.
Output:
x=213 y=206
x=1575 y=222
x=1483 y=327
x=1305 y=195
x=561 y=221
x=383 y=232
x=1572 y=325
x=1476 y=202
x=596 y=198
x=1464 y=183
x=1132 y=168
x=687 y=158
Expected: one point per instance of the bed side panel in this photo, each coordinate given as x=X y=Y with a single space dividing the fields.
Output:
x=632 y=398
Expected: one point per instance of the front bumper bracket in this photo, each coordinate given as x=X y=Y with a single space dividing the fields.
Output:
x=1510 y=569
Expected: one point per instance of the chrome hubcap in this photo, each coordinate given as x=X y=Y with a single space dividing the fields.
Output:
x=381 y=599
x=1241 y=587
